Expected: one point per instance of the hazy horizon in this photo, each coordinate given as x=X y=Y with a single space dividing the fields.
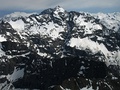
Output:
x=30 y=6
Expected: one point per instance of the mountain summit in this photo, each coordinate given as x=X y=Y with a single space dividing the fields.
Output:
x=60 y=50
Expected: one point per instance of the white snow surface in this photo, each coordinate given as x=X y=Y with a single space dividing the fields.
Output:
x=2 y=53
x=95 y=47
x=86 y=43
x=110 y=20
x=17 y=25
x=19 y=14
x=17 y=74
x=48 y=29
x=86 y=88
x=2 y=38
x=53 y=30
x=89 y=27
x=58 y=10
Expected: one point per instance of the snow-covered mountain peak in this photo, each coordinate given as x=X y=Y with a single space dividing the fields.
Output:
x=59 y=12
x=42 y=50
x=59 y=9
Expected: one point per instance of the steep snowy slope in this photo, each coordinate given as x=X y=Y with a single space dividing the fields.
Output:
x=56 y=49
x=110 y=20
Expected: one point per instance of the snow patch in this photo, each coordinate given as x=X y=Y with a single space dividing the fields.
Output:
x=17 y=25
x=110 y=20
x=19 y=14
x=86 y=88
x=48 y=30
x=84 y=43
x=17 y=74
x=2 y=38
x=88 y=27
x=2 y=53
x=95 y=47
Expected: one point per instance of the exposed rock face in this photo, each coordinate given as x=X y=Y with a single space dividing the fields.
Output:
x=53 y=72
x=60 y=50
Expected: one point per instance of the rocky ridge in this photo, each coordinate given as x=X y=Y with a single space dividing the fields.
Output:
x=60 y=50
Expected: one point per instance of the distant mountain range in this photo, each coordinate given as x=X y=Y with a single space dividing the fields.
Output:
x=60 y=50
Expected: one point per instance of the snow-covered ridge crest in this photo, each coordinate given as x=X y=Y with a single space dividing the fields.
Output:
x=34 y=44
x=110 y=20
x=19 y=14
x=16 y=15
x=59 y=23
